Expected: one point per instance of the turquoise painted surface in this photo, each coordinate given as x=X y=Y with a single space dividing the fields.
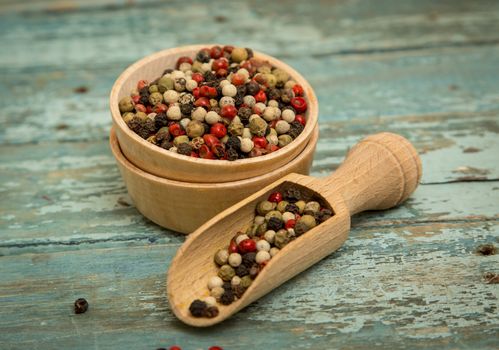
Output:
x=406 y=278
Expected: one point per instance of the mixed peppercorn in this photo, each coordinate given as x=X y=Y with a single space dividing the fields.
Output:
x=223 y=104
x=280 y=219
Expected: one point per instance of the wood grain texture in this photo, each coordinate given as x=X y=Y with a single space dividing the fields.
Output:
x=406 y=278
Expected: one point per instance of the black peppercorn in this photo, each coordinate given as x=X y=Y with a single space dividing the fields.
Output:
x=239 y=291
x=233 y=142
x=160 y=120
x=198 y=308
x=238 y=100
x=211 y=312
x=292 y=195
x=242 y=270
x=254 y=271
x=186 y=109
x=185 y=149
x=144 y=99
x=248 y=259
x=295 y=129
x=210 y=77
x=203 y=56
x=81 y=306
x=232 y=154
x=275 y=224
x=227 y=298
x=166 y=144
x=252 y=88
x=273 y=94
x=218 y=150
x=241 y=90
x=293 y=208
x=300 y=228
x=244 y=113
x=167 y=71
x=250 y=52
x=227 y=285
x=146 y=129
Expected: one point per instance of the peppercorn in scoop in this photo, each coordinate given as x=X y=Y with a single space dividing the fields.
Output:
x=280 y=219
x=222 y=104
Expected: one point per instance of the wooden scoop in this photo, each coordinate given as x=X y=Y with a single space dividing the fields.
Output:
x=380 y=172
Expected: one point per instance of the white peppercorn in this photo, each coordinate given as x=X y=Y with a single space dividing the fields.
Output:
x=221 y=257
x=229 y=90
x=288 y=115
x=217 y=292
x=269 y=114
x=269 y=236
x=262 y=245
x=288 y=216
x=212 y=117
x=246 y=144
x=185 y=66
x=174 y=113
x=235 y=281
x=272 y=139
x=235 y=259
x=226 y=101
x=214 y=282
x=191 y=85
x=259 y=220
x=224 y=83
x=198 y=114
x=312 y=207
x=262 y=256
x=210 y=301
x=249 y=100
x=244 y=72
x=247 y=134
x=282 y=127
x=171 y=96
x=241 y=238
x=185 y=122
x=177 y=74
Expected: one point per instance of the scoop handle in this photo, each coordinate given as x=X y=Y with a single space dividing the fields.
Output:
x=379 y=172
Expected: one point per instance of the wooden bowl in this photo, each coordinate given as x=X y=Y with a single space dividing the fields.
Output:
x=170 y=165
x=184 y=206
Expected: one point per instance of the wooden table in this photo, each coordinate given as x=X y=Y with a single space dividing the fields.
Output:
x=406 y=278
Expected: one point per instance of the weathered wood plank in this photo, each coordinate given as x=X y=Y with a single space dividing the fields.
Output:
x=388 y=84
x=79 y=184
x=121 y=32
x=405 y=287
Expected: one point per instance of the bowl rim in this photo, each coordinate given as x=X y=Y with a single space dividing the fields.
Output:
x=121 y=158
x=311 y=98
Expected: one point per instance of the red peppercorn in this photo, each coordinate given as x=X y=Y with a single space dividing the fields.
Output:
x=261 y=96
x=140 y=108
x=183 y=59
x=212 y=92
x=238 y=79
x=210 y=140
x=221 y=63
x=233 y=247
x=272 y=148
x=142 y=84
x=202 y=102
x=273 y=123
x=299 y=104
x=194 y=154
x=175 y=347
x=136 y=99
x=249 y=67
x=275 y=197
x=216 y=52
x=228 y=48
x=260 y=141
x=218 y=150
x=149 y=109
x=215 y=348
x=221 y=73
x=219 y=130
x=197 y=77
x=205 y=152
x=176 y=130
x=290 y=224
x=196 y=93
x=228 y=111
x=298 y=90
x=300 y=119
x=204 y=91
x=160 y=108
x=247 y=246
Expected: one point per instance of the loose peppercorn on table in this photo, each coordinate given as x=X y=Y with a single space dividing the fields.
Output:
x=421 y=275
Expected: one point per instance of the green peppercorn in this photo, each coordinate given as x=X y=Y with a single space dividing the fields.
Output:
x=265 y=68
x=246 y=282
x=226 y=272
x=300 y=228
x=239 y=54
x=252 y=230
x=165 y=83
x=153 y=88
x=128 y=116
x=180 y=139
x=287 y=95
x=273 y=214
x=284 y=140
x=221 y=257
x=308 y=220
x=195 y=129
x=271 y=80
x=142 y=116
x=262 y=228
x=301 y=206
x=281 y=76
x=155 y=98
x=126 y=104
x=236 y=128
x=264 y=207
x=281 y=206
x=258 y=126
x=281 y=238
